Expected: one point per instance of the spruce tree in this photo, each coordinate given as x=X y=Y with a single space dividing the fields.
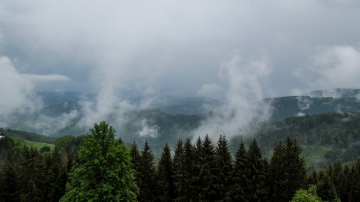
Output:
x=355 y=181
x=336 y=175
x=10 y=179
x=31 y=175
x=179 y=171
x=239 y=175
x=103 y=171
x=207 y=171
x=56 y=177
x=188 y=169
x=276 y=174
x=135 y=163
x=196 y=182
x=224 y=169
x=326 y=189
x=256 y=188
x=165 y=176
x=147 y=173
x=294 y=168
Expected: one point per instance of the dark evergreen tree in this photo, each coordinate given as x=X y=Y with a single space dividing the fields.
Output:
x=313 y=178
x=256 y=188
x=56 y=177
x=355 y=181
x=239 y=175
x=10 y=179
x=165 y=176
x=336 y=174
x=31 y=175
x=276 y=174
x=347 y=184
x=294 y=168
x=148 y=178
x=179 y=171
x=196 y=182
x=135 y=164
x=326 y=189
x=207 y=171
x=224 y=169
x=188 y=169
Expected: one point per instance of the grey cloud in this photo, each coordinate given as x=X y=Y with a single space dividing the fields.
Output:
x=159 y=42
x=46 y=78
x=176 y=47
x=331 y=67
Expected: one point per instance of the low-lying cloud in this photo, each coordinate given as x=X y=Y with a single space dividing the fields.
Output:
x=17 y=91
x=243 y=108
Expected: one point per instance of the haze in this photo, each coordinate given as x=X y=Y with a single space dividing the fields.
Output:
x=230 y=50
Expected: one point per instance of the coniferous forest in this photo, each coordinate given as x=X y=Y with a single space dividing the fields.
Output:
x=99 y=167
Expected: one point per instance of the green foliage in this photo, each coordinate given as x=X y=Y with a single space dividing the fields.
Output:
x=306 y=195
x=31 y=144
x=71 y=145
x=28 y=136
x=326 y=138
x=103 y=171
x=45 y=149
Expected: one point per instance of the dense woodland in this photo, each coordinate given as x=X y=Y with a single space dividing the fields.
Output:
x=98 y=166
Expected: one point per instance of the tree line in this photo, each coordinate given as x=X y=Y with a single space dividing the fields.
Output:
x=106 y=169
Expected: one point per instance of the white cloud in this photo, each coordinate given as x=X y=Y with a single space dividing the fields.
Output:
x=16 y=91
x=242 y=109
x=336 y=67
x=148 y=131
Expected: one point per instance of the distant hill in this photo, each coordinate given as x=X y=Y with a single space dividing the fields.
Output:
x=62 y=112
x=29 y=136
x=284 y=107
x=324 y=137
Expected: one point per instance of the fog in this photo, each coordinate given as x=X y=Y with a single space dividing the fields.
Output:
x=237 y=51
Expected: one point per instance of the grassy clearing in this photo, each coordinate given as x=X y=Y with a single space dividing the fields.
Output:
x=38 y=145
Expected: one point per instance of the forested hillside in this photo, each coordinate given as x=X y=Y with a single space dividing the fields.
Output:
x=324 y=138
x=103 y=168
x=62 y=112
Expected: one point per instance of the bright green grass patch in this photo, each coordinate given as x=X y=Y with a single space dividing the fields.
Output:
x=38 y=145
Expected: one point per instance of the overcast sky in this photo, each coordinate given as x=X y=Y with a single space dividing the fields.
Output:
x=179 y=47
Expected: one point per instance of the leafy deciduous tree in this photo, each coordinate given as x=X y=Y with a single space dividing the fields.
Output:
x=103 y=172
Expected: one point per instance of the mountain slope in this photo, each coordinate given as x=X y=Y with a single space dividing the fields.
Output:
x=324 y=137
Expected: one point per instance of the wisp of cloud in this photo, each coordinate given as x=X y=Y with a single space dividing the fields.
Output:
x=242 y=108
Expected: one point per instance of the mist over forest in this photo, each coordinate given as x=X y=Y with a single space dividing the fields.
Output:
x=271 y=85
